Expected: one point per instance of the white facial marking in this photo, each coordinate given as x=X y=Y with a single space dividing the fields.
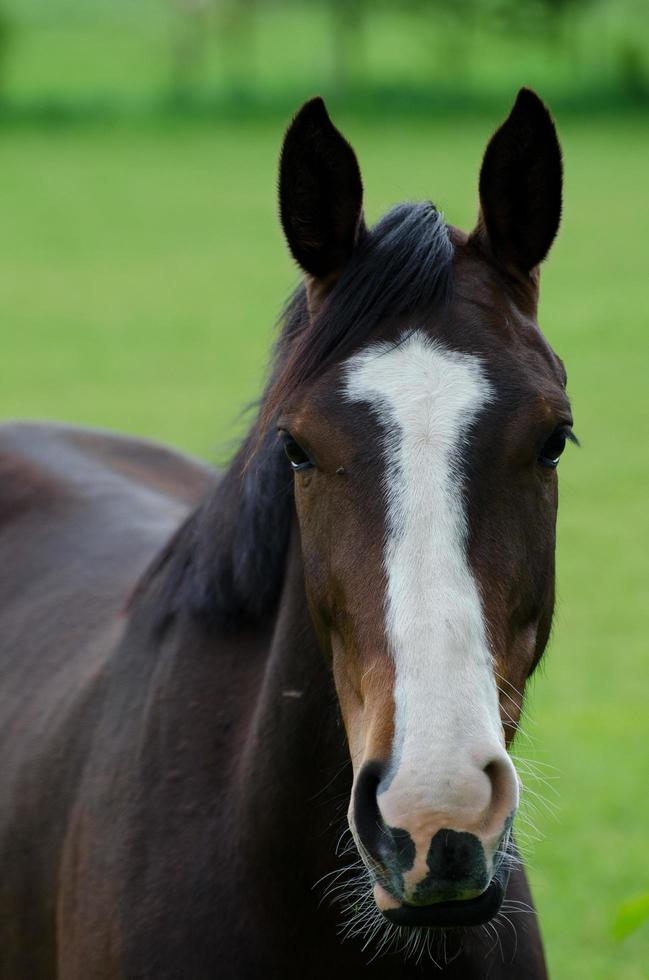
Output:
x=446 y=703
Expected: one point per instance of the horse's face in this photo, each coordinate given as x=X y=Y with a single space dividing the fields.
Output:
x=426 y=492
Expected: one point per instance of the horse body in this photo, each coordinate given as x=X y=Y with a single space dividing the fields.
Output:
x=81 y=515
x=202 y=672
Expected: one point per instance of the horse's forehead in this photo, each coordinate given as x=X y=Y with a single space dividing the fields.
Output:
x=422 y=391
x=484 y=317
x=507 y=347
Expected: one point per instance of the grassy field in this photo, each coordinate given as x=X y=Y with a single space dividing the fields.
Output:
x=141 y=269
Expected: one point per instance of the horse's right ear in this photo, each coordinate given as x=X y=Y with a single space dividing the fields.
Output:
x=320 y=195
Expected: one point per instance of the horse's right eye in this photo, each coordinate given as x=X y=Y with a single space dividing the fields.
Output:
x=297 y=457
x=554 y=447
x=552 y=450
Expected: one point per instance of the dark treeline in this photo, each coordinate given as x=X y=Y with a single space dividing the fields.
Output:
x=586 y=37
x=376 y=53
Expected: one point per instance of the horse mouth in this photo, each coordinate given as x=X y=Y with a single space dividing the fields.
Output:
x=448 y=915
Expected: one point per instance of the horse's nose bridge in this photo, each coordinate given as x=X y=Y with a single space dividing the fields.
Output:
x=448 y=744
x=443 y=783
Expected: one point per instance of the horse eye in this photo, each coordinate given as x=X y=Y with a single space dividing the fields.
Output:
x=551 y=452
x=297 y=457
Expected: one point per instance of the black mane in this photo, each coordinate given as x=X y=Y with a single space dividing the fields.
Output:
x=226 y=562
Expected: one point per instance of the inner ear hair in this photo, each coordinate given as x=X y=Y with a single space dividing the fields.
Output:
x=317 y=290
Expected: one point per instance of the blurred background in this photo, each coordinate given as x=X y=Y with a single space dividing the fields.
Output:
x=142 y=269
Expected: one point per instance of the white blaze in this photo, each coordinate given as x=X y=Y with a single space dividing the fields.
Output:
x=426 y=398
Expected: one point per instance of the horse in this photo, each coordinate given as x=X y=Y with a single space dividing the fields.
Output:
x=256 y=723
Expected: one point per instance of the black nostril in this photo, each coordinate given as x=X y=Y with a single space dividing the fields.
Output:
x=367 y=816
x=390 y=847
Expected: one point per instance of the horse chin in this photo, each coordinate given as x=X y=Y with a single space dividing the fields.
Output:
x=451 y=915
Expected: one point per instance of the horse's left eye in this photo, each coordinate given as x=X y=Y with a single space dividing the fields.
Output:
x=297 y=457
x=551 y=452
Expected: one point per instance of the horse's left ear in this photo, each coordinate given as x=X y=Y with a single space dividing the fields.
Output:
x=320 y=195
x=520 y=187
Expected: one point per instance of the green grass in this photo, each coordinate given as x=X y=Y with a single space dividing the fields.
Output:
x=142 y=269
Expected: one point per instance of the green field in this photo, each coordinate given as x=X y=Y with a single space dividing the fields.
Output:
x=141 y=270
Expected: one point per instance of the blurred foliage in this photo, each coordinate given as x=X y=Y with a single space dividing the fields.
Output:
x=90 y=56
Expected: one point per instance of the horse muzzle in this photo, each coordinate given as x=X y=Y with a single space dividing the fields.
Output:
x=434 y=864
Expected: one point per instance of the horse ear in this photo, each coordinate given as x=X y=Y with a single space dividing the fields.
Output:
x=520 y=186
x=320 y=194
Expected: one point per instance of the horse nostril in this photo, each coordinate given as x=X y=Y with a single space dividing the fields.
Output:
x=367 y=816
x=504 y=793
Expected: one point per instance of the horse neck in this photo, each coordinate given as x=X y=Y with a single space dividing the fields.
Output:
x=248 y=718
x=294 y=774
